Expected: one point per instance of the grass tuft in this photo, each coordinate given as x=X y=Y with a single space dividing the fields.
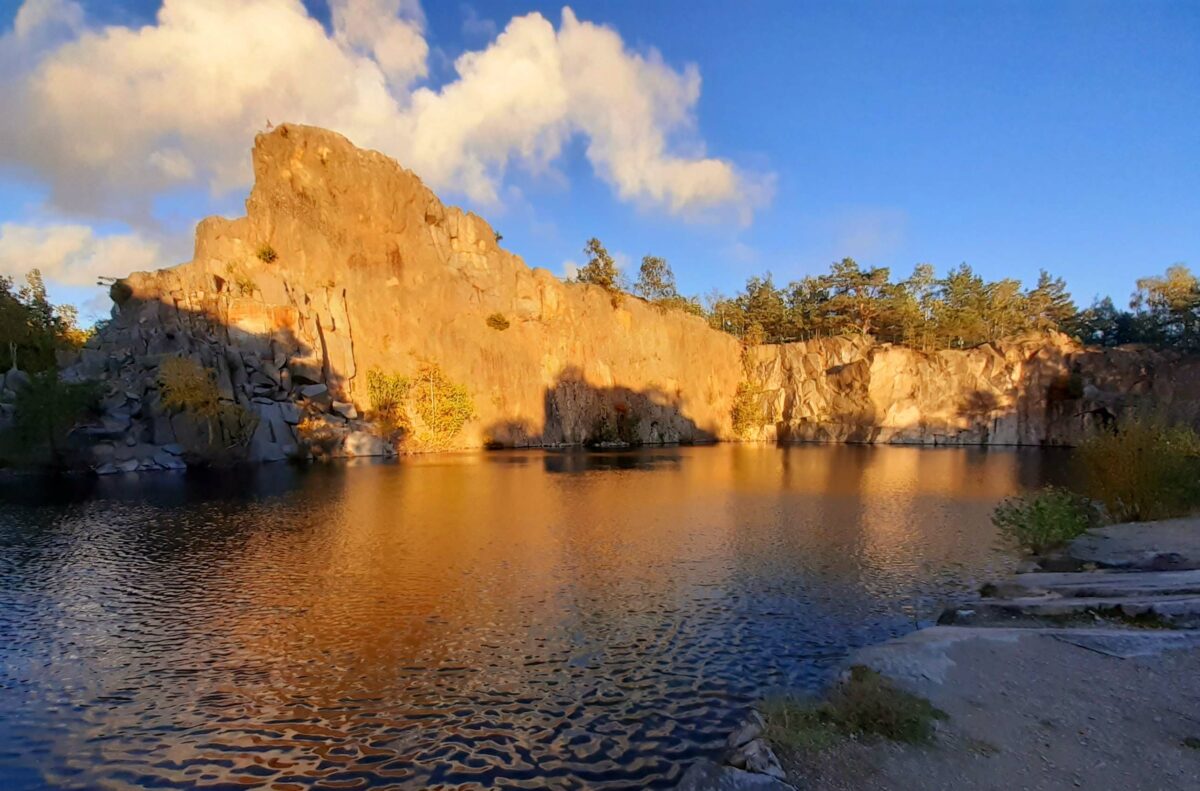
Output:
x=863 y=705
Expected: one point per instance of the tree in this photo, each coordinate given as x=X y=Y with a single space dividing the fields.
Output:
x=856 y=294
x=762 y=304
x=1171 y=306
x=1005 y=310
x=600 y=269
x=806 y=307
x=1050 y=304
x=960 y=317
x=656 y=281
x=32 y=326
x=1099 y=325
x=46 y=410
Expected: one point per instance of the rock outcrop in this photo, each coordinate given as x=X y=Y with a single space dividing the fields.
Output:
x=1042 y=390
x=345 y=263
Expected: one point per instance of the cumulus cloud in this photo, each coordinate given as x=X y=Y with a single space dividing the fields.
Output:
x=112 y=116
x=72 y=254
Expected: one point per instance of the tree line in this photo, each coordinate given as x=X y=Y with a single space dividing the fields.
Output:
x=958 y=310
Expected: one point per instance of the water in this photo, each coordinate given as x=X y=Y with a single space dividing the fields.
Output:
x=503 y=620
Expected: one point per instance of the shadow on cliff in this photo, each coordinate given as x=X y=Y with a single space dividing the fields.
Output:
x=267 y=382
x=577 y=413
x=283 y=382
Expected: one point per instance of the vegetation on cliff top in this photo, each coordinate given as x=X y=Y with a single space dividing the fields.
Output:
x=959 y=310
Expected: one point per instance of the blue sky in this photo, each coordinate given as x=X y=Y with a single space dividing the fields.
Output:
x=1013 y=136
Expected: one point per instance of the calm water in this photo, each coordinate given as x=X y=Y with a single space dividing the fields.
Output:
x=505 y=620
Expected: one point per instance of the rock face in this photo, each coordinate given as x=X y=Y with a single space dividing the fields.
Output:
x=1044 y=390
x=346 y=263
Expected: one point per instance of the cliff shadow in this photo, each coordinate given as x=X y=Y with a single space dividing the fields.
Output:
x=269 y=385
x=578 y=413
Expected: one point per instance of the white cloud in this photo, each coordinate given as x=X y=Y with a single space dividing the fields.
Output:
x=113 y=116
x=74 y=254
x=391 y=31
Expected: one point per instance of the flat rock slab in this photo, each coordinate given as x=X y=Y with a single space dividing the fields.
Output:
x=1124 y=644
x=708 y=776
x=924 y=656
x=1107 y=583
x=1184 y=608
x=1173 y=544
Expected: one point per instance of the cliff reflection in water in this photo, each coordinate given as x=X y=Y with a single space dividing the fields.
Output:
x=517 y=618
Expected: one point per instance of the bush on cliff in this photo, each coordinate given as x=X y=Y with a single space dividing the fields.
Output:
x=187 y=386
x=430 y=409
x=266 y=253
x=444 y=406
x=1045 y=519
x=498 y=321
x=1144 y=469
x=387 y=394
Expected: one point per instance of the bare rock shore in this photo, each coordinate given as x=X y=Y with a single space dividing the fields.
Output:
x=1054 y=680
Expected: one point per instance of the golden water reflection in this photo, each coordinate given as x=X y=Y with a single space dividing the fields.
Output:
x=517 y=619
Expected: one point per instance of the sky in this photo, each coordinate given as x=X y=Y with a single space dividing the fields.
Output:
x=730 y=138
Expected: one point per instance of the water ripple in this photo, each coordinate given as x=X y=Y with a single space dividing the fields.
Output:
x=461 y=623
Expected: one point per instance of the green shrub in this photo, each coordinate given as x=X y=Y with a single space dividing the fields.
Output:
x=1044 y=520
x=1145 y=469
x=266 y=253
x=864 y=704
x=443 y=406
x=387 y=394
x=45 y=412
x=498 y=321
x=187 y=386
x=745 y=412
x=242 y=281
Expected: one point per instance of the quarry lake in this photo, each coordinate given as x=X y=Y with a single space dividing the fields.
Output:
x=491 y=620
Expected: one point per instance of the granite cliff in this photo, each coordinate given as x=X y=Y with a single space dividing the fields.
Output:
x=345 y=263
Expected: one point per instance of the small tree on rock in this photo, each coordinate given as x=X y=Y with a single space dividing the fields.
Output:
x=600 y=269
x=656 y=281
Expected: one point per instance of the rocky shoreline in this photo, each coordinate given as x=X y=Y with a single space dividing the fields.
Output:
x=1051 y=679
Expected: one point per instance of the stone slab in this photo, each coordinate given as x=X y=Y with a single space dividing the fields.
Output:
x=1172 y=544
x=1109 y=583
x=709 y=776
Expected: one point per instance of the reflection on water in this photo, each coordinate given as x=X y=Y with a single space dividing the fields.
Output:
x=514 y=619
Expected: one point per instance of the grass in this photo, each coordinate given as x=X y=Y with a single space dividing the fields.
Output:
x=864 y=705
